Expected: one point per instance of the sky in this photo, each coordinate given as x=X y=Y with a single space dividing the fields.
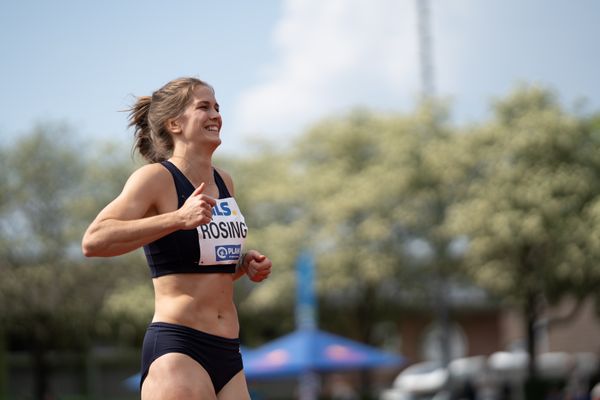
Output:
x=279 y=66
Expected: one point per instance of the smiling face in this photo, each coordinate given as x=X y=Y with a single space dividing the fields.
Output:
x=201 y=121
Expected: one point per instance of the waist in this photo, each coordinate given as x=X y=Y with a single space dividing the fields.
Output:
x=203 y=302
x=225 y=342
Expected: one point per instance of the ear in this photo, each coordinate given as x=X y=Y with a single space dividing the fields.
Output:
x=174 y=125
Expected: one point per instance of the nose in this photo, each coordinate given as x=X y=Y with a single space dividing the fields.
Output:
x=214 y=113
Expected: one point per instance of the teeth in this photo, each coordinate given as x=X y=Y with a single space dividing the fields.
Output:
x=212 y=128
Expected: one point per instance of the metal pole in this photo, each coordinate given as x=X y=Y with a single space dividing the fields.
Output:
x=425 y=49
x=441 y=299
x=306 y=318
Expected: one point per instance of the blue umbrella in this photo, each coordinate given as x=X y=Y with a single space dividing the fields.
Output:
x=312 y=350
x=308 y=349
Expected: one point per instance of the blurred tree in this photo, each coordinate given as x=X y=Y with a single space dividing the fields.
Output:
x=531 y=204
x=49 y=297
x=129 y=305
x=360 y=191
x=375 y=195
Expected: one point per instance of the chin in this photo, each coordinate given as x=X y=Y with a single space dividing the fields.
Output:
x=212 y=139
x=216 y=141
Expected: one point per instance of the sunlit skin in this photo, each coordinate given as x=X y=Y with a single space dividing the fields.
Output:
x=146 y=210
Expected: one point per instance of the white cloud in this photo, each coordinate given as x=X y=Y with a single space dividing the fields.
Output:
x=336 y=54
x=332 y=56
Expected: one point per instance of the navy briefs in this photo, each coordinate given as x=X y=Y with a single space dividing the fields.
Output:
x=219 y=356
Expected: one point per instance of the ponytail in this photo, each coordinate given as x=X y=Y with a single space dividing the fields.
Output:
x=154 y=145
x=138 y=119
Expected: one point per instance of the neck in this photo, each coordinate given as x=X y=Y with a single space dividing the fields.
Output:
x=192 y=161
x=196 y=154
x=198 y=169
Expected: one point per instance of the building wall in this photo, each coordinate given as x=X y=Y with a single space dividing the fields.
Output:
x=579 y=334
x=582 y=334
x=480 y=330
x=489 y=331
x=412 y=330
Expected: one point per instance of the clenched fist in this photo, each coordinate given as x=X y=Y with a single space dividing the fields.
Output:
x=197 y=209
x=257 y=266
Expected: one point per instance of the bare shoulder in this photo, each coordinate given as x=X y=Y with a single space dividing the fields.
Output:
x=227 y=179
x=150 y=177
x=147 y=186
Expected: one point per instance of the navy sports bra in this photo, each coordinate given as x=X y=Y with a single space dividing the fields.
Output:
x=211 y=248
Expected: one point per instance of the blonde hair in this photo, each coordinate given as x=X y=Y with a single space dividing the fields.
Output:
x=149 y=116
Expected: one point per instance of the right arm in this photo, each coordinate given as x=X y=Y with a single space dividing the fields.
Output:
x=134 y=218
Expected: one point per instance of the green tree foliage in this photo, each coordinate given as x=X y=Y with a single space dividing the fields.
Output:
x=531 y=185
x=39 y=178
x=50 y=297
x=355 y=190
x=386 y=203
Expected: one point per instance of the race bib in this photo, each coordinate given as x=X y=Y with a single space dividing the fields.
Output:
x=222 y=240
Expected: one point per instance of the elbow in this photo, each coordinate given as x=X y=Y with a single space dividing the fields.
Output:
x=89 y=247
x=87 y=252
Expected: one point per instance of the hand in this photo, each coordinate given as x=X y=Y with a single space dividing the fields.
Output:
x=197 y=209
x=258 y=266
